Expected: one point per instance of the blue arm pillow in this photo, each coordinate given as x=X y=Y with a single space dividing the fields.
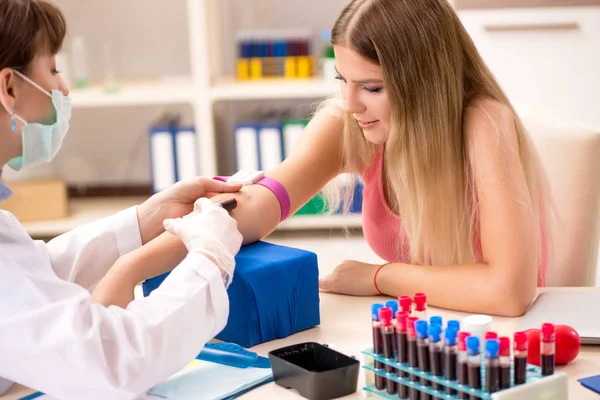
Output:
x=274 y=294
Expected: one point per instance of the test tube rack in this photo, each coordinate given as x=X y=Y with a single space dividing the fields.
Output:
x=553 y=387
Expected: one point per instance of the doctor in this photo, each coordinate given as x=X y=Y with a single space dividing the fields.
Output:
x=54 y=335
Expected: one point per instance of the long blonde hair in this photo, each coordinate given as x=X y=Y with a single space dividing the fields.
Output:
x=432 y=72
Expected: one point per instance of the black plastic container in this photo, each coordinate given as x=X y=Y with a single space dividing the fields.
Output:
x=315 y=371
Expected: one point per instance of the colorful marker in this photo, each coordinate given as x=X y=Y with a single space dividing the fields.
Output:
x=547 y=348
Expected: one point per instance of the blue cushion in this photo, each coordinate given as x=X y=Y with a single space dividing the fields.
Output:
x=274 y=294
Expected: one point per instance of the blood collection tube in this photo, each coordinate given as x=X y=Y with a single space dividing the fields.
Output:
x=393 y=304
x=421 y=327
x=450 y=358
x=474 y=362
x=405 y=303
x=491 y=335
x=435 y=353
x=385 y=317
x=420 y=306
x=462 y=363
x=402 y=347
x=492 y=365
x=547 y=348
x=453 y=323
x=377 y=344
x=504 y=382
x=437 y=320
x=520 y=357
x=413 y=360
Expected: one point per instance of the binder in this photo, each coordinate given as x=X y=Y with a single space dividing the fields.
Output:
x=292 y=131
x=246 y=147
x=270 y=148
x=162 y=158
x=186 y=151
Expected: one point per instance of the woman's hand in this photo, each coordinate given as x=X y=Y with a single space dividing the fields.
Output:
x=175 y=202
x=351 y=277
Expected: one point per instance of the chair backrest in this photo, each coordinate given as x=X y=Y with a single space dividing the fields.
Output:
x=570 y=154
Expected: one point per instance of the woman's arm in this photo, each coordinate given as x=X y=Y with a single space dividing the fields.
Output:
x=506 y=283
x=315 y=161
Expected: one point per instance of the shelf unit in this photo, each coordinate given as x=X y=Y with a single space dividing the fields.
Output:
x=206 y=85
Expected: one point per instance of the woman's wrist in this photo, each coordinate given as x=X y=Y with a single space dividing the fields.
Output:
x=150 y=219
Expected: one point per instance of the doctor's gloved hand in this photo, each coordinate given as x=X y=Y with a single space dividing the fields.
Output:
x=209 y=230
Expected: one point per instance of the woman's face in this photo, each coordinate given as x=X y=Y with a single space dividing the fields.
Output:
x=29 y=102
x=364 y=93
x=33 y=105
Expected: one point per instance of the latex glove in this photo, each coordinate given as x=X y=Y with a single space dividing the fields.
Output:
x=177 y=201
x=209 y=230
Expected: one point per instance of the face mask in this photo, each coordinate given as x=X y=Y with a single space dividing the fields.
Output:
x=42 y=142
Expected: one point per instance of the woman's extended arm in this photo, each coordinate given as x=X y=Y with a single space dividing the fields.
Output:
x=315 y=161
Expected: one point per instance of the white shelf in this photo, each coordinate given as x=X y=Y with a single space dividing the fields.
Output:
x=83 y=211
x=230 y=89
x=135 y=94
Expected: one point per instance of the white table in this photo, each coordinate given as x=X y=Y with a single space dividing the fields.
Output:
x=345 y=326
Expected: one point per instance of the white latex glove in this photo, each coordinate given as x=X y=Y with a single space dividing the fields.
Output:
x=209 y=230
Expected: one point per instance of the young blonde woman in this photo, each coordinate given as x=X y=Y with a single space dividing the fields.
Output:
x=454 y=199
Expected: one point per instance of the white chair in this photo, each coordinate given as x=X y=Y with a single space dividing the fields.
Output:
x=570 y=154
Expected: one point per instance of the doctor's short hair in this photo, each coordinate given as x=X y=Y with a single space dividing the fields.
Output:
x=29 y=28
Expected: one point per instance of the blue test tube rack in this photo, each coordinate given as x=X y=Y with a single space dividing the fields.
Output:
x=553 y=387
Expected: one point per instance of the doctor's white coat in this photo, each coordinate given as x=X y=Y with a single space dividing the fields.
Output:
x=53 y=339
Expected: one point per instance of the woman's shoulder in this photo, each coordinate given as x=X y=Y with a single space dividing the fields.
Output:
x=488 y=122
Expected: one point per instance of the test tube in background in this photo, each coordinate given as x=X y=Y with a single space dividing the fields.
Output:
x=520 y=357
x=474 y=364
x=420 y=300
x=492 y=365
x=377 y=344
x=435 y=353
x=547 y=349
x=462 y=366
x=504 y=362
x=385 y=318
x=402 y=348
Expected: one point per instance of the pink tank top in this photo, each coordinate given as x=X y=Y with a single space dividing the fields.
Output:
x=383 y=229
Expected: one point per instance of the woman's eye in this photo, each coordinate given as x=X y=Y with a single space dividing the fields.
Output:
x=373 y=89
x=339 y=78
x=55 y=71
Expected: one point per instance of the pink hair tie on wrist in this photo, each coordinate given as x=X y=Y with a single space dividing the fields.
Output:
x=276 y=188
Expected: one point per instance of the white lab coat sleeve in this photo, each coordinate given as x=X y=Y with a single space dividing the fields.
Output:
x=56 y=341
x=85 y=254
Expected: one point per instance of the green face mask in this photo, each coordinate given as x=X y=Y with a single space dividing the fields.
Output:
x=42 y=142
